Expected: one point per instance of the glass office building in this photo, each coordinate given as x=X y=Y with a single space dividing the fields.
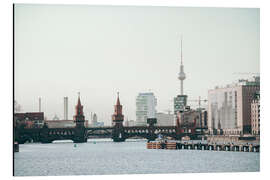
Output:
x=145 y=108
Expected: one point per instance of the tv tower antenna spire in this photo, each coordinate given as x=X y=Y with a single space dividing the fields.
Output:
x=181 y=51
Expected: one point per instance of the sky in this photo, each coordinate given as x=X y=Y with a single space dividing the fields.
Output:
x=61 y=50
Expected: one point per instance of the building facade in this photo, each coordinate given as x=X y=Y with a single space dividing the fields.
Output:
x=63 y=123
x=94 y=119
x=130 y=123
x=29 y=119
x=186 y=121
x=229 y=108
x=180 y=102
x=204 y=118
x=94 y=122
x=255 y=116
x=145 y=107
x=201 y=122
x=165 y=119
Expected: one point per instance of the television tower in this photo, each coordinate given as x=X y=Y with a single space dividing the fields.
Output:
x=181 y=75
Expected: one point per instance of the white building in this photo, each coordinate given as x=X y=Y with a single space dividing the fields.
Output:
x=95 y=122
x=145 y=107
x=165 y=119
x=255 y=116
x=229 y=108
x=94 y=119
x=130 y=123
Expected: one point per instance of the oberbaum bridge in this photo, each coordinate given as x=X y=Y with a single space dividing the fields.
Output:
x=119 y=133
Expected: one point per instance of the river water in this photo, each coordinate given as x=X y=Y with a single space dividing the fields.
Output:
x=102 y=156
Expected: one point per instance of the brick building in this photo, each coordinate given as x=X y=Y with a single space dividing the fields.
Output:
x=63 y=123
x=29 y=119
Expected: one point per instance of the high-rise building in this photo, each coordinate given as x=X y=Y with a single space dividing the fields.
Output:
x=202 y=118
x=145 y=107
x=130 y=123
x=165 y=119
x=180 y=102
x=229 y=108
x=31 y=119
x=255 y=115
x=94 y=120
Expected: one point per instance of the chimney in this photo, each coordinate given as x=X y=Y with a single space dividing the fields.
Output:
x=39 y=104
x=65 y=108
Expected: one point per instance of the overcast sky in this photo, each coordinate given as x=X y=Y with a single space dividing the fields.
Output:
x=61 y=50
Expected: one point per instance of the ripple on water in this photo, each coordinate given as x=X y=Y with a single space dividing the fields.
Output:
x=106 y=157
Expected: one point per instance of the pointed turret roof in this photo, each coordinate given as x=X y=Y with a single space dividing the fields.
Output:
x=79 y=100
x=118 y=101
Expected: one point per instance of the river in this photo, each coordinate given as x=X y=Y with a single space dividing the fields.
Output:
x=102 y=156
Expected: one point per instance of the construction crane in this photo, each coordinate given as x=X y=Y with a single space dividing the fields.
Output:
x=198 y=100
x=246 y=73
x=193 y=100
x=199 y=103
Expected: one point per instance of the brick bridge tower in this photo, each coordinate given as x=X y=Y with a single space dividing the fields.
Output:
x=79 y=119
x=117 y=122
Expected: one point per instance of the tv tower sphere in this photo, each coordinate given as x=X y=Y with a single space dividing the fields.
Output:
x=181 y=75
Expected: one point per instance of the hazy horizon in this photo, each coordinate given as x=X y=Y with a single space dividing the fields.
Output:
x=61 y=50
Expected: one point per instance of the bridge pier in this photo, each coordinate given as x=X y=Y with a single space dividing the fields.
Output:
x=151 y=137
x=118 y=134
x=44 y=135
x=80 y=135
x=46 y=141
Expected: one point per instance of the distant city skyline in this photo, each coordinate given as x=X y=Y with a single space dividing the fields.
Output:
x=61 y=50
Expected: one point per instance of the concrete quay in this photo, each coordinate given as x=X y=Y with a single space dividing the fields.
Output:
x=239 y=147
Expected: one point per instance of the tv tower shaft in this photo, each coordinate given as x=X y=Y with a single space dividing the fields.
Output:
x=181 y=75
